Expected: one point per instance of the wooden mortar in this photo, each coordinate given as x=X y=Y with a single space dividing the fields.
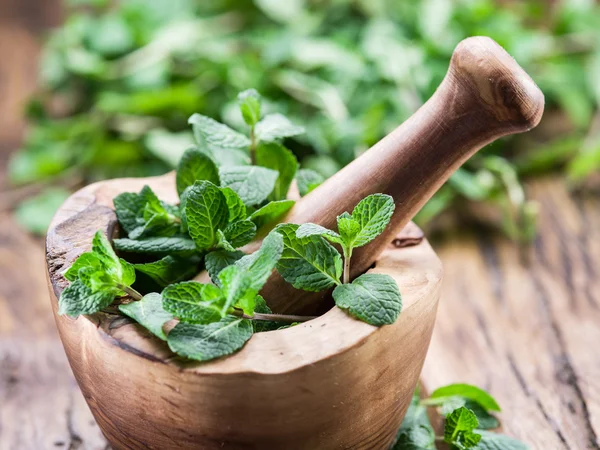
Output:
x=331 y=383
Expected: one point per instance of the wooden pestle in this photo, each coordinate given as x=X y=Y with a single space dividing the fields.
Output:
x=485 y=95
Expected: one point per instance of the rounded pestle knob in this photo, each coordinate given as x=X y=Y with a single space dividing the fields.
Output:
x=485 y=95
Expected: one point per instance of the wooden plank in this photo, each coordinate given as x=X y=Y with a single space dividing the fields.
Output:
x=525 y=326
x=41 y=405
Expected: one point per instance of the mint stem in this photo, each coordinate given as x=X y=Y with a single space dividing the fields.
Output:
x=130 y=291
x=273 y=317
x=347 y=256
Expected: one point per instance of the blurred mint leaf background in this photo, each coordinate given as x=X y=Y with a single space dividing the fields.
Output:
x=119 y=80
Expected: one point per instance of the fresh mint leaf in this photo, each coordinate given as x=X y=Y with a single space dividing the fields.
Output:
x=252 y=183
x=486 y=420
x=271 y=213
x=237 y=209
x=128 y=207
x=206 y=342
x=459 y=429
x=261 y=307
x=416 y=432
x=469 y=392
x=495 y=441
x=275 y=156
x=215 y=134
x=168 y=270
x=175 y=245
x=216 y=261
x=240 y=233
x=372 y=298
x=311 y=264
x=238 y=289
x=373 y=213
x=78 y=299
x=260 y=264
x=249 y=102
x=308 y=180
x=149 y=313
x=348 y=227
x=87 y=259
x=276 y=126
x=195 y=166
x=223 y=243
x=206 y=212
x=119 y=270
x=310 y=229
x=193 y=302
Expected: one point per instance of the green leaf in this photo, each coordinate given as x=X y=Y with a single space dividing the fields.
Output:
x=271 y=213
x=261 y=307
x=175 y=245
x=215 y=134
x=235 y=205
x=260 y=264
x=310 y=263
x=249 y=102
x=276 y=126
x=495 y=441
x=195 y=166
x=252 y=183
x=192 y=302
x=216 y=261
x=238 y=289
x=416 y=432
x=118 y=269
x=223 y=243
x=308 y=180
x=311 y=229
x=373 y=213
x=35 y=213
x=206 y=342
x=169 y=269
x=206 y=212
x=79 y=299
x=149 y=313
x=348 y=227
x=486 y=420
x=459 y=428
x=469 y=392
x=275 y=156
x=87 y=259
x=240 y=233
x=128 y=206
x=373 y=298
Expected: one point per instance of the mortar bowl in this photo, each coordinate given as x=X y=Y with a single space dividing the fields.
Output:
x=331 y=383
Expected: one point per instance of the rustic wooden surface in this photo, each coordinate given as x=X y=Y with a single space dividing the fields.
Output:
x=528 y=331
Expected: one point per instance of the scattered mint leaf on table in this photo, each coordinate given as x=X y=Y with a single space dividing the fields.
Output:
x=469 y=392
x=206 y=342
x=174 y=245
x=193 y=302
x=149 y=313
x=310 y=263
x=460 y=427
x=206 y=212
x=275 y=156
x=496 y=441
x=252 y=183
x=215 y=134
x=195 y=166
x=216 y=261
x=372 y=298
x=308 y=180
x=249 y=101
x=276 y=126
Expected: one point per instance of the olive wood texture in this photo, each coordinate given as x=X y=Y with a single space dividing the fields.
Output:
x=485 y=95
x=333 y=382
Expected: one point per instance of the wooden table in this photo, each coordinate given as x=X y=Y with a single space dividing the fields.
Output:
x=524 y=325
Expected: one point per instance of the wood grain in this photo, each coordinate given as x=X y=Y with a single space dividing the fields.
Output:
x=333 y=382
x=526 y=326
x=485 y=95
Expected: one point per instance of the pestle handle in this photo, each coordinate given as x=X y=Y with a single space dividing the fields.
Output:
x=485 y=95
